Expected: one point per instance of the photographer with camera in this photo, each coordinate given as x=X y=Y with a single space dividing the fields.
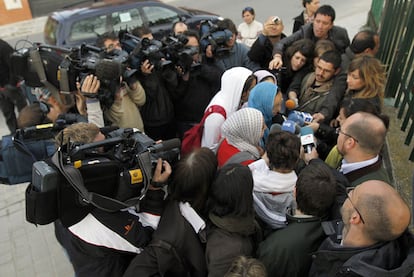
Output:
x=197 y=85
x=159 y=80
x=221 y=48
x=262 y=49
x=129 y=97
x=102 y=243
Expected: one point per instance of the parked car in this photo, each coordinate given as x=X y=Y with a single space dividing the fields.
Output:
x=75 y=26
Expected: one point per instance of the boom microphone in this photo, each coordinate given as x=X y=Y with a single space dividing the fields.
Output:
x=165 y=145
x=107 y=69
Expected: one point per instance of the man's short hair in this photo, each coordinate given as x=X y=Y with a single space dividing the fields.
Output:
x=283 y=150
x=323 y=45
x=332 y=57
x=227 y=23
x=100 y=41
x=192 y=33
x=79 y=132
x=370 y=131
x=141 y=31
x=363 y=40
x=315 y=189
x=326 y=10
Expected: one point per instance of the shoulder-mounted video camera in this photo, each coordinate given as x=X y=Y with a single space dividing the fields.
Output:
x=112 y=174
x=212 y=34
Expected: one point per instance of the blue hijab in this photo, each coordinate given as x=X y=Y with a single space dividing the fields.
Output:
x=261 y=98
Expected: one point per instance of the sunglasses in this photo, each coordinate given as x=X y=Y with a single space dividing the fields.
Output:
x=348 y=191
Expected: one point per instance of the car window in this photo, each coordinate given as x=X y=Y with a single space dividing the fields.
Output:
x=50 y=31
x=160 y=15
x=127 y=19
x=88 y=28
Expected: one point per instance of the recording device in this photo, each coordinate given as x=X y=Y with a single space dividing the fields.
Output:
x=118 y=168
x=300 y=118
x=307 y=139
x=276 y=20
x=212 y=34
x=291 y=104
x=287 y=125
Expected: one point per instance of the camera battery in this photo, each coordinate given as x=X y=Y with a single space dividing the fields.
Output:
x=44 y=177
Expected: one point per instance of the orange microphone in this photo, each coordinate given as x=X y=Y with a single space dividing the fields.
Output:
x=290 y=104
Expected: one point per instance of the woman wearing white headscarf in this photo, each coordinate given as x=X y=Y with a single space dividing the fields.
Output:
x=242 y=131
x=229 y=97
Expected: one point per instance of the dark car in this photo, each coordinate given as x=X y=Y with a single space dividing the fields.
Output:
x=75 y=26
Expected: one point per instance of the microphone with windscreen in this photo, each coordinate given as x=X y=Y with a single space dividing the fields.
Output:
x=291 y=104
x=307 y=139
x=107 y=69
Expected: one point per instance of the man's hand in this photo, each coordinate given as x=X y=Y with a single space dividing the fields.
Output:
x=146 y=67
x=90 y=84
x=318 y=117
x=276 y=63
x=307 y=157
x=209 y=51
x=162 y=171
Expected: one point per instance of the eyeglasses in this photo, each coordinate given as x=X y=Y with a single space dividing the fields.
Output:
x=339 y=131
x=348 y=191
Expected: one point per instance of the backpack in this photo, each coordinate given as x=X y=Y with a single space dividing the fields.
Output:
x=18 y=155
x=192 y=137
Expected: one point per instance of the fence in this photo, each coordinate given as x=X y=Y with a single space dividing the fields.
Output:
x=394 y=20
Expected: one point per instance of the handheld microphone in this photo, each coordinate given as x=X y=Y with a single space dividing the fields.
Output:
x=300 y=117
x=165 y=145
x=291 y=127
x=290 y=104
x=307 y=139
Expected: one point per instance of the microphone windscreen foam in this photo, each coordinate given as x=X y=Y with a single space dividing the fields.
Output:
x=290 y=104
x=107 y=69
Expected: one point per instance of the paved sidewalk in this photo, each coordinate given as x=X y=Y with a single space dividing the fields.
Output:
x=27 y=250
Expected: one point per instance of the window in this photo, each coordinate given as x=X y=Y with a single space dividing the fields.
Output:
x=88 y=28
x=160 y=15
x=126 y=20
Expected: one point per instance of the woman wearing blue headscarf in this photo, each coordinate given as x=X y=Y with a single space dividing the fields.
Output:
x=266 y=98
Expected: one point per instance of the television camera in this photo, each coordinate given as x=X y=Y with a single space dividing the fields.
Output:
x=110 y=175
x=212 y=34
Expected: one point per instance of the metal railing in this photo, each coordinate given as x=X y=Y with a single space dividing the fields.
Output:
x=394 y=21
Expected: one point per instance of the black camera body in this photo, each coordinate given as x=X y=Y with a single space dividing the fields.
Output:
x=212 y=34
x=119 y=167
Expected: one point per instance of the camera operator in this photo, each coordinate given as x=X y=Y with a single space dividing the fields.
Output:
x=130 y=96
x=10 y=95
x=236 y=54
x=103 y=243
x=196 y=87
x=159 y=84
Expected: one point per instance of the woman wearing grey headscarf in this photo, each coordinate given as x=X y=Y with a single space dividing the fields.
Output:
x=241 y=132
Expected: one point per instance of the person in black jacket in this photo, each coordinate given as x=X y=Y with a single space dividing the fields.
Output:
x=158 y=83
x=375 y=238
x=10 y=95
x=262 y=49
x=176 y=248
x=308 y=14
x=321 y=28
x=197 y=85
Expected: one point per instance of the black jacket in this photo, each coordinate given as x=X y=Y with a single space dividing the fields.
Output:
x=337 y=35
x=5 y=51
x=299 y=21
x=192 y=97
x=175 y=249
x=261 y=51
x=158 y=109
x=394 y=258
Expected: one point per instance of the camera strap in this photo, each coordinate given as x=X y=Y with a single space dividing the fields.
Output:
x=75 y=179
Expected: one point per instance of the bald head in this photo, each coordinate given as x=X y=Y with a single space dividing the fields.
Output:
x=385 y=213
x=368 y=129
